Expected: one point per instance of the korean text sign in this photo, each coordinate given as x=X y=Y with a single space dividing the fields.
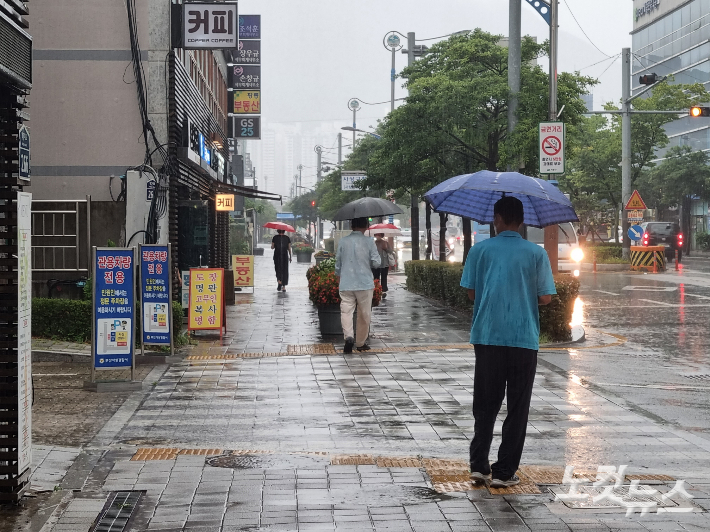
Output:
x=243 y=266
x=246 y=102
x=552 y=148
x=155 y=294
x=210 y=25
x=206 y=298
x=114 y=307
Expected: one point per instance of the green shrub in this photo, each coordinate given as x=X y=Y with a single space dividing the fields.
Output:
x=70 y=320
x=605 y=251
x=442 y=281
x=61 y=319
x=702 y=240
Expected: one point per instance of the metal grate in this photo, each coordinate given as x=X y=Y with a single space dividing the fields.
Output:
x=15 y=52
x=117 y=511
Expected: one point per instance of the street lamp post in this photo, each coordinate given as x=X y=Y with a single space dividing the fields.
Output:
x=391 y=42
x=354 y=105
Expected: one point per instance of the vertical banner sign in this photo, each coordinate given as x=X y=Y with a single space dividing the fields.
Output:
x=114 y=307
x=210 y=26
x=206 y=299
x=248 y=53
x=244 y=77
x=250 y=27
x=247 y=127
x=185 y=288
x=245 y=103
x=243 y=266
x=156 y=294
x=24 y=330
x=552 y=148
x=24 y=154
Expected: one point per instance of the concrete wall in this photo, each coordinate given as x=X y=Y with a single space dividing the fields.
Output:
x=85 y=122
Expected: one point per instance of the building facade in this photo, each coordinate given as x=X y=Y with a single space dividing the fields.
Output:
x=672 y=37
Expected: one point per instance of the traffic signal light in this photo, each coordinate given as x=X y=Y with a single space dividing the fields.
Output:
x=648 y=79
x=697 y=111
x=313 y=203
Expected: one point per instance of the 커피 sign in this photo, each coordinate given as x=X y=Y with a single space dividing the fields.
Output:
x=114 y=307
x=24 y=331
x=206 y=310
x=156 y=294
x=210 y=26
x=245 y=103
x=552 y=148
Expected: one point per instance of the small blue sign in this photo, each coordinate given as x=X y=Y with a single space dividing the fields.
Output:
x=249 y=26
x=635 y=232
x=155 y=296
x=24 y=153
x=114 y=308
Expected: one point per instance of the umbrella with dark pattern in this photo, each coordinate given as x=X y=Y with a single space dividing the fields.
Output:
x=366 y=208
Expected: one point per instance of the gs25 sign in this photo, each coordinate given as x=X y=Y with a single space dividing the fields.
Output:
x=247 y=127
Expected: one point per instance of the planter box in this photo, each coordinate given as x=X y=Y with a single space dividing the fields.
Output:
x=304 y=257
x=258 y=251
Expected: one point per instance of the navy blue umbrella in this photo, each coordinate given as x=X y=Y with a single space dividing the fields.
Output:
x=473 y=196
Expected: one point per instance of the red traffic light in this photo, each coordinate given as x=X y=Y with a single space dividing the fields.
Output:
x=313 y=204
x=698 y=111
x=648 y=79
x=680 y=237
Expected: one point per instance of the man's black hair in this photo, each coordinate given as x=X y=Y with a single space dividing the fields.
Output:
x=280 y=231
x=510 y=209
x=360 y=223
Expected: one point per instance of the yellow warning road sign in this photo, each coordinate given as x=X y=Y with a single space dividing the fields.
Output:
x=635 y=202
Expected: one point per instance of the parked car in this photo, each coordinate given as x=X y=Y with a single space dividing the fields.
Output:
x=666 y=234
x=569 y=254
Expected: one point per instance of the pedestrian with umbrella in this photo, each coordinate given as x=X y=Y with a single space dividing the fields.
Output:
x=507 y=279
x=383 y=247
x=281 y=244
x=357 y=255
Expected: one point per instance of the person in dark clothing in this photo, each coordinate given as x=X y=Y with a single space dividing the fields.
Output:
x=380 y=273
x=281 y=244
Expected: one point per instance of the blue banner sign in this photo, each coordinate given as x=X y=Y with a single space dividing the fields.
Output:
x=155 y=294
x=250 y=26
x=114 y=307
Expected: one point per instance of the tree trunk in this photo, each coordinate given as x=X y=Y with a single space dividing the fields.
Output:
x=466 y=238
x=428 y=231
x=442 y=237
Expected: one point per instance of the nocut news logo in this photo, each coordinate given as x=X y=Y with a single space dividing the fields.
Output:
x=646 y=9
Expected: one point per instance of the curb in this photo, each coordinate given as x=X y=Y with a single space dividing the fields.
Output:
x=579 y=335
x=586 y=267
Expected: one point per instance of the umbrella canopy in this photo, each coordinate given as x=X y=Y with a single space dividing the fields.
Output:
x=473 y=196
x=279 y=226
x=387 y=229
x=366 y=208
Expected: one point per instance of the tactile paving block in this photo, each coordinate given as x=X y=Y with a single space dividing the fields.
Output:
x=398 y=461
x=352 y=459
x=311 y=349
x=160 y=453
x=453 y=487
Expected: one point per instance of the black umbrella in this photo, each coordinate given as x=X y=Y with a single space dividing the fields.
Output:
x=366 y=208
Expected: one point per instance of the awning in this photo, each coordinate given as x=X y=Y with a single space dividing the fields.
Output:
x=247 y=192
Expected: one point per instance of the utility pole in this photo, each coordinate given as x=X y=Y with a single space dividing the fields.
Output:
x=625 y=147
x=319 y=169
x=340 y=149
x=300 y=176
x=514 y=64
x=551 y=236
x=411 y=43
x=354 y=105
x=319 y=173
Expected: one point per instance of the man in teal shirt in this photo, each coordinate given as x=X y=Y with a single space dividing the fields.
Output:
x=507 y=277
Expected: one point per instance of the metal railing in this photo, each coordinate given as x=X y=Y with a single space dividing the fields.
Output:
x=56 y=227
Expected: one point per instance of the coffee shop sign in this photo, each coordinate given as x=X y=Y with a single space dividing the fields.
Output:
x=647 y=8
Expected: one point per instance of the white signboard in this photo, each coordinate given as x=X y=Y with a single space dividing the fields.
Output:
x=24 y=330
x=350 y=178
x=210 y=26
x=552 y=148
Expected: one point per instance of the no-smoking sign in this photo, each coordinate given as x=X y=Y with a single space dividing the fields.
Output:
x=552 y=148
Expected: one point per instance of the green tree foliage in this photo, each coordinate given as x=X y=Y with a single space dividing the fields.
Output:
x=265 y=210
x=455 y=119
x=684 y=173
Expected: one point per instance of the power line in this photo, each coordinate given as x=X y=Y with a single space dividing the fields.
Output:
x=600 y=62
x=581 y=28
x=610 y=64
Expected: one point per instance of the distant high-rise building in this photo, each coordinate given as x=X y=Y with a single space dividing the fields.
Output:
x=588 y=100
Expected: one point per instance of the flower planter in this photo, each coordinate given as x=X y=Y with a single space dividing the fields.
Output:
x=303 y=257
x=329 y=318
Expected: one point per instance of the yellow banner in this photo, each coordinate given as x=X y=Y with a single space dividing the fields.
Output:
x=206 y=298
x=243 y=266
x=247 y=102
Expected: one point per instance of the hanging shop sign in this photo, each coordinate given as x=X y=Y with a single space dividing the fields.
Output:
x=156 y=294
x=113 y=308
x=210 y=26
x=250 y=27
x=245 y=77
x=224 y=202
x=247 y=127
x=245 y=103
x=349 y=180
x=206 y=309
x=247 y=53
x=243 y=267
x=24 y=153
x=185 y=288
x=24 y=330
x=552 y=148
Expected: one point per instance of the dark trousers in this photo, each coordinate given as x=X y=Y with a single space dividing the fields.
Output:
x=380 y=274
x=498 y=367
x=281 y=267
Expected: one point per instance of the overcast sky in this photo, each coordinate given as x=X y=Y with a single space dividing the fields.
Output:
x=319 y=53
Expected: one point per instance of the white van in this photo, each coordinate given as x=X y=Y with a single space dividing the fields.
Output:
x=569 y=254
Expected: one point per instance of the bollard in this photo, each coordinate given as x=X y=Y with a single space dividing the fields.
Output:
x=676 y=261
x=594 y=259
x=655 y=263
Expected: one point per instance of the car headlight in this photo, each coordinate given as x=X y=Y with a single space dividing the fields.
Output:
x=451 y=241
x=577 y=255
x=400 y=245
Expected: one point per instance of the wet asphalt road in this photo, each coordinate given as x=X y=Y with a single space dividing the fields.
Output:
x=664 y=367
